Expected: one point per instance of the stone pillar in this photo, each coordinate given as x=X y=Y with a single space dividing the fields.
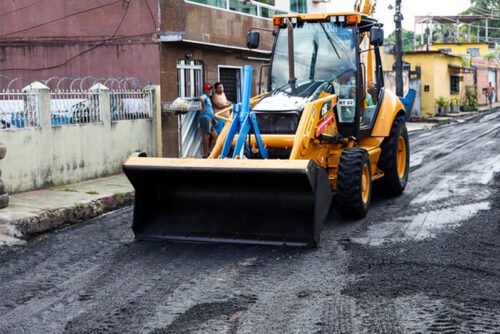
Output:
x=37 y=107
x=104 y=102
x=4 y=197
x=155 y=103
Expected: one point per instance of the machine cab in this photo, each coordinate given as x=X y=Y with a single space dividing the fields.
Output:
x=332 y=54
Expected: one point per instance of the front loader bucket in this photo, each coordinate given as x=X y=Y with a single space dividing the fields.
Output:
x=276 y=202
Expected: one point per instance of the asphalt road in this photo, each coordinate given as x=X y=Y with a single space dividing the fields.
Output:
x=425 y=262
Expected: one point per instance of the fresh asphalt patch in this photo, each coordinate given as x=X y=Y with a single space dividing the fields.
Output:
x=425 y=262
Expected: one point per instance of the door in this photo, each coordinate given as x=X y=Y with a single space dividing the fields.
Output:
x=189 y=84
x=230 y=77
x=492 y=77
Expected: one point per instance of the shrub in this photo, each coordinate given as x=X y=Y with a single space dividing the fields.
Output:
x=470 y=98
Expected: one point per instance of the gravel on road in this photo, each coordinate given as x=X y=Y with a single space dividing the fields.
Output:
x=427 y=261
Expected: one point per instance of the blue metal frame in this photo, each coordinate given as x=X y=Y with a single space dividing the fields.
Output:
x=244 y=121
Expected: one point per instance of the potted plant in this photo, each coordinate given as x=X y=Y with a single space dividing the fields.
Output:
x=455 y=104
x=441 y=105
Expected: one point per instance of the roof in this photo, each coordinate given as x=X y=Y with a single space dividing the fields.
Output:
x=450 y=19
x=462 y=43
x=432 y=52
x=461 y=69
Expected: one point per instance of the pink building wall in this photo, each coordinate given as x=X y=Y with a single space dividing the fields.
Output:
x=483 y=67
x=99 y=38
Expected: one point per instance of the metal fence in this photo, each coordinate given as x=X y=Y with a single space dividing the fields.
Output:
x=68 y=107
x=19 y=110
x=190 y=135
x=131 y=104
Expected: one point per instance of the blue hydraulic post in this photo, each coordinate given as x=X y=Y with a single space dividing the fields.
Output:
x=244 y=121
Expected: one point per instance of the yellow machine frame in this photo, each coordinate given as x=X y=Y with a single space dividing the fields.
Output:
x=305 y=143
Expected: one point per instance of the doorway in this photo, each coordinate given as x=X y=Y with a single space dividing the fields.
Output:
x=492 y=77
x=230 y=77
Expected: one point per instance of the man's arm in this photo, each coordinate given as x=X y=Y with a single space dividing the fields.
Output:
x=202 y=105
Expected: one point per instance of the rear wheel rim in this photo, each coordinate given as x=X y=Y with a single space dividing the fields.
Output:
x=365 y=184
x=401 y=157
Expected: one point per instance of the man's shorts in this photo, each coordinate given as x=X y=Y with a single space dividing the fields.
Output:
x=206 y=125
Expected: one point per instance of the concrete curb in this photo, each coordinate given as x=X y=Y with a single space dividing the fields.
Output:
x=52 y=219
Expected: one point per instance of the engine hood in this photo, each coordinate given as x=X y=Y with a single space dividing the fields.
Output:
x=280 y=102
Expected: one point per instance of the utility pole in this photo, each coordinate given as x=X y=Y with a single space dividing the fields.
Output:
x=398 y=17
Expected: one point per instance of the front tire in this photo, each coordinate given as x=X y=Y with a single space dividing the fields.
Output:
x=395 y=159
x=354 y=183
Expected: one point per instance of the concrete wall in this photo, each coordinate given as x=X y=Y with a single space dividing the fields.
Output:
x=212 y=58
x=482 y=68
x=460 y=48
x=435 y=74
x=48 y=156
x=211 y=25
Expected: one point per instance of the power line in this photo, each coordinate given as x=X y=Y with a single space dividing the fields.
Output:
x=485 y=12
x=79 y=42
x=79 y=54
x=21 y=8
x=61 y=18
x=151 y=13
x=469 y=24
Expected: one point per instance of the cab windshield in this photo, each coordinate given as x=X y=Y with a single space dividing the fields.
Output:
x=325 y=59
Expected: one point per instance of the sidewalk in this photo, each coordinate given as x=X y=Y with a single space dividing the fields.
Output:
x=43 y=210
x=432 y=122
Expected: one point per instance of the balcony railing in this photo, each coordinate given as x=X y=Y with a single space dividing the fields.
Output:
x=253 y=8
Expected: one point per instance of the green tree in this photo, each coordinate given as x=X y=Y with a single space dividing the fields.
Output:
x=408 y=38
x=487 y=8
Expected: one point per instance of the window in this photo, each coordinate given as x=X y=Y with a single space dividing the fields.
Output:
x=189 y=78
x=474 y=52
x=454 y=84
x=299 y=6
x=258 y=8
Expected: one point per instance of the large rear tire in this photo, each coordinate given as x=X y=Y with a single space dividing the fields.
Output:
x=395 y=159
x=354 y=183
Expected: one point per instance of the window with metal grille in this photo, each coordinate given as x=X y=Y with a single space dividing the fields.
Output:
x=189 y=78
x=454 y=84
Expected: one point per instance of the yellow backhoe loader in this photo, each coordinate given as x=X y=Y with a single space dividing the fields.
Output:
x=326 y=126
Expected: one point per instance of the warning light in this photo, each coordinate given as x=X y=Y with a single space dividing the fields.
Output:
x=352 y=19
x=277 y=21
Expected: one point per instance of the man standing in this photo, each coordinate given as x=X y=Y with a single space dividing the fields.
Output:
x=207 y=121
x=490 y=93
x=220 y=102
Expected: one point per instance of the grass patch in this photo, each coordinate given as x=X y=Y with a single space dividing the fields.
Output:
x=78 y=206
x=69 y=190
x=120 y=195
x=92 y=192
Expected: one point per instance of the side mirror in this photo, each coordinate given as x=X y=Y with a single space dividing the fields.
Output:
x=253 y=39
x=376 y=36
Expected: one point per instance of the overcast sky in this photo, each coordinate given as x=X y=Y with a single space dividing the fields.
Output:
x=412 y=8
